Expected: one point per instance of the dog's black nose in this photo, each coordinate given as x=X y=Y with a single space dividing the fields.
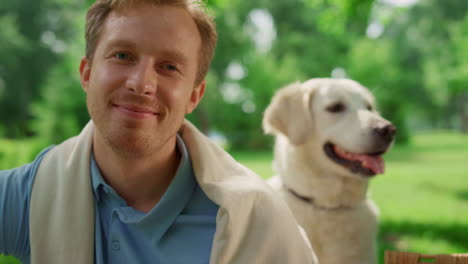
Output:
x=387 y=133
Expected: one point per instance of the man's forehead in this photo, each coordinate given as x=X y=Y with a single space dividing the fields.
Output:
x=169 y=27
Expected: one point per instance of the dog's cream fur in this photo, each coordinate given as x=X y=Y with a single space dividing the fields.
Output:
x=340 y=220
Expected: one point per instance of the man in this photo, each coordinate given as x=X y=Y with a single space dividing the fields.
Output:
x=140 y=184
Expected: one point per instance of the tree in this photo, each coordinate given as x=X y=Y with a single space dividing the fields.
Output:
x=430 y=38
x=31 y=41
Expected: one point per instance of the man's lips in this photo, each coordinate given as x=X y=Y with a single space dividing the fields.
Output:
x=135 y=111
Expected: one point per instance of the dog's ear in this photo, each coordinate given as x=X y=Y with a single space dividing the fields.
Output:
x=289 y=114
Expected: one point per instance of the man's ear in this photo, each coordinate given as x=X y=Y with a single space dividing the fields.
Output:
x=196 y=96
x=85 y=72
x=289 y=114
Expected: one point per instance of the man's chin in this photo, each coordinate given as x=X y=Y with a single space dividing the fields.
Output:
x=131 y=148
x=133 y=144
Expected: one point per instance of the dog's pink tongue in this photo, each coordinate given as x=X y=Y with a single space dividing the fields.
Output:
x=374 y=163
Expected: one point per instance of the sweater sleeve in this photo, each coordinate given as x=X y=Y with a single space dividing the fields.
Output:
x=15 y=192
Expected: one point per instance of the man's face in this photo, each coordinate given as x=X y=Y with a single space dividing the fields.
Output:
x=141 y=82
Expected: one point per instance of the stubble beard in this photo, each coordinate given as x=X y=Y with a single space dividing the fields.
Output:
x=138 y=143
x=132 y=147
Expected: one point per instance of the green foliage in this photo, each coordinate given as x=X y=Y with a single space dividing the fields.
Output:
x=61 y=111
x=14 y=153
x=31 y=41
x=430 y=43
x=239 y=115
x=11 y=40
x=458 y=39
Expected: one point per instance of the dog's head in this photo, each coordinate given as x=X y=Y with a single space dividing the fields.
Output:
x=338 y=118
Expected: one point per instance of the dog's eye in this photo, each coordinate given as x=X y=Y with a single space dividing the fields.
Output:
x=369 y=107
x=336 y=108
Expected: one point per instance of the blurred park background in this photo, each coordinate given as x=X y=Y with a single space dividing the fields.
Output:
x=412 y=54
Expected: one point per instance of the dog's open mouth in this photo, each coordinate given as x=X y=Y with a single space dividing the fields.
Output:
x=364 y=164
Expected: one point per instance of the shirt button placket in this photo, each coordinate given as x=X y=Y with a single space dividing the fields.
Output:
x=115 y=244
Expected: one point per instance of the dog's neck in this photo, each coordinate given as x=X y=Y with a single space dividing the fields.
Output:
x=312 y=202
x=303 y=173
x=338 y=194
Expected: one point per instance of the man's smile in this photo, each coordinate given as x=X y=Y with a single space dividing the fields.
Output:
x=135 y=111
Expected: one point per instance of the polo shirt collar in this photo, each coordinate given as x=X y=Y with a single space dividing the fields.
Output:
x=174 y=200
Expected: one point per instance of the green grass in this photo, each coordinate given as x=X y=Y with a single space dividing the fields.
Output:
x=423 y=196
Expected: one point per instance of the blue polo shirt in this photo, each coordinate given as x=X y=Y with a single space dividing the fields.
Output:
x=179 y=229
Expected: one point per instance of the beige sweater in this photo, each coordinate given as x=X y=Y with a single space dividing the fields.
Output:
x=253 y=224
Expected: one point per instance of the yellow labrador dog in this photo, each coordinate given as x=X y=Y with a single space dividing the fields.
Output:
x=329 y=142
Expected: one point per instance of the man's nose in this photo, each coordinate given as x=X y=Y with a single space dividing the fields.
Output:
x=143 y=78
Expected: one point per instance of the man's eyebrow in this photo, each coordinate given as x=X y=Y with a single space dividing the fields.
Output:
x=121 y=43
x=174 y=55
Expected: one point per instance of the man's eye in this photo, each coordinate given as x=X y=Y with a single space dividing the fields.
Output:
x=170 y=67
x=122 y=56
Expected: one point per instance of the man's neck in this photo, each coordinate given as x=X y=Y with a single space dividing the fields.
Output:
x=141 y=181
